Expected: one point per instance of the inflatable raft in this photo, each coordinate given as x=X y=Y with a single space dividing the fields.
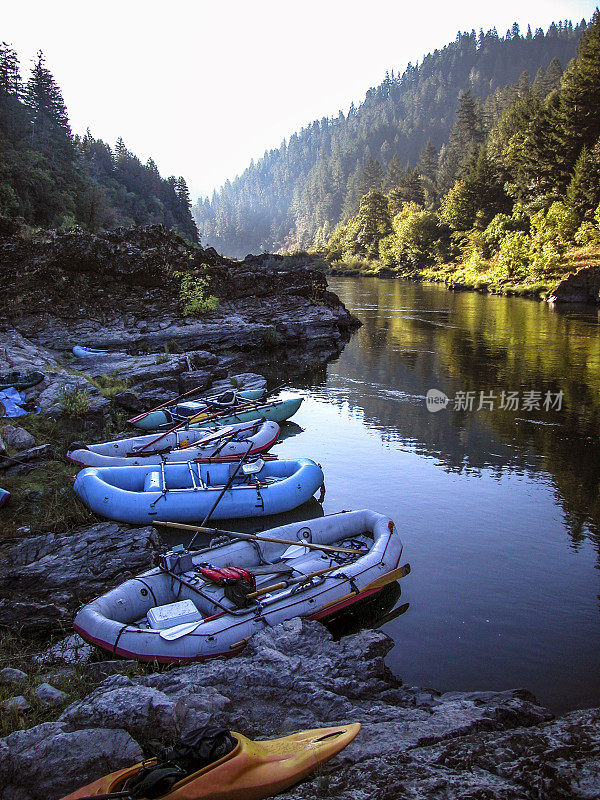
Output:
x=182 y=611
x=219 y=444
x=185 y=410
x=250 y=771
x=21 y=380
x=4 y=496
x=186 y=491
x=86 y=352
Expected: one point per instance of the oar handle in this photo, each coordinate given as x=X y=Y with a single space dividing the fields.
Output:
x=253 y=537
x=283 y=584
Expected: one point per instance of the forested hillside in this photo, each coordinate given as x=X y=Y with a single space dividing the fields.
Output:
x=52 y=178
x=295 y=195
x=512 y=202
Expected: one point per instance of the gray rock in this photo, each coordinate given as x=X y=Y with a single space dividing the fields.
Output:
x=194 y=379
x=10 y=675
x=17 y=438
x=414 y=743
x=47 y=762
x=49 y=695
x=18 y=703
x=243 y=380
x=44 y=579
x=42 y=452
x=70 y=650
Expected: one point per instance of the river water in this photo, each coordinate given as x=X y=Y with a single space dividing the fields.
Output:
x=498 y=507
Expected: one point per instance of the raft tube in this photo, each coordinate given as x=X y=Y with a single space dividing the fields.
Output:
x=178 y=412
x=185 y=492
x=219 y=444
x=123 y=620
x=85 y=352
x=251 y=771
x=4 y=496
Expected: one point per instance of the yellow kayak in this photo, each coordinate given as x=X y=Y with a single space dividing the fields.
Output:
x=252 y=770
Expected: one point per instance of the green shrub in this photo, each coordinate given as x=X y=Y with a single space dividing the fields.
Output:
x=162 y=358
x=514 y=255
x=587 y=233
x=75 y=401
x=193 y=298
x=270 y=337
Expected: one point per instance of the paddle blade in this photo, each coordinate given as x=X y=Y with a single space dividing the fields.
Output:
x=390 y=577
x=176 y=632
x=294 y=551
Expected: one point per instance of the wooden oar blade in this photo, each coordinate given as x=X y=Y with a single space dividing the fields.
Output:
x=390 y=577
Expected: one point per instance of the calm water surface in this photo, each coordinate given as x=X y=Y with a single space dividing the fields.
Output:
x=499 y=510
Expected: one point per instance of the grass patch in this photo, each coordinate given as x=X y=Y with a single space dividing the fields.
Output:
x=75 y=401
x=109 y=385
x=162 y=358
x=43 y=500
x=19 y=653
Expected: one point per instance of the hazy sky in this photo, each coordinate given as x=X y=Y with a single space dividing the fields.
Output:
x=203 y=87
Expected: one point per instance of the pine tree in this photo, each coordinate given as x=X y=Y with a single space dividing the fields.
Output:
x=182 y=192
x=371 y=177
x=51 y=130
x=428 y=161
x=580 y=94
x=583 y=192
x=121 y=151
x=10 y=75
x=373 y=223
x=394 y=174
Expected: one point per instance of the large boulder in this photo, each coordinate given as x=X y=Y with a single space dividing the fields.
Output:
x=44 y=579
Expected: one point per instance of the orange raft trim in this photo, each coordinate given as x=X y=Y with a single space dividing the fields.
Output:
x=251 y=771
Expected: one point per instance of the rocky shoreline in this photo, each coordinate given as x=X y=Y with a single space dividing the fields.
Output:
x=415 y=743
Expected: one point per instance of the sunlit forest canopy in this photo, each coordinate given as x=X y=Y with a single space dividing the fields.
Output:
x=295 y=195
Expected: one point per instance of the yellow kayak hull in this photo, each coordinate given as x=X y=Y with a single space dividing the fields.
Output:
x=252 y=770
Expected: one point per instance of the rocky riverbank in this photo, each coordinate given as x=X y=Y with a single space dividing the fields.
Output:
x=137 y=293
x=414 y=743
x=95 y=714
x=138 y=290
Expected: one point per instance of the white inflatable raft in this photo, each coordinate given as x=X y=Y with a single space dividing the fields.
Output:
x=175 y=613
x=197 y=444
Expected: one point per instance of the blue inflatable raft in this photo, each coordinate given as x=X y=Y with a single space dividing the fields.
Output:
x=4 y=496
x=85 y=352
x=185 y=492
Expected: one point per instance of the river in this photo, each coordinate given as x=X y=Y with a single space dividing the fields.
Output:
x=498 y=507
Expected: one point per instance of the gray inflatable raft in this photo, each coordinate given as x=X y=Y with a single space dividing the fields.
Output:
x=175 y=613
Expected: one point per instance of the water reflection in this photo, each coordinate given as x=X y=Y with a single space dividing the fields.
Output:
x=477 y=343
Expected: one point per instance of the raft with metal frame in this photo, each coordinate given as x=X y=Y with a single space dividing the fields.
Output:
x=179 y=611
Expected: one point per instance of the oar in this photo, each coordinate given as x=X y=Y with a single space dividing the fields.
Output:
x=283 y=584
x=164 y=405
x=378 y=583
x=252 y=537
x=177 y=631
x=223 y=490
x=195 y=418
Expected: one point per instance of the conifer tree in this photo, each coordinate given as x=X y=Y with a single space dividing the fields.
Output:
x=51 y=129
x=580 y=94
x=373 y=223
x=394 y=174
x=583 y=191
x=10 y=74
